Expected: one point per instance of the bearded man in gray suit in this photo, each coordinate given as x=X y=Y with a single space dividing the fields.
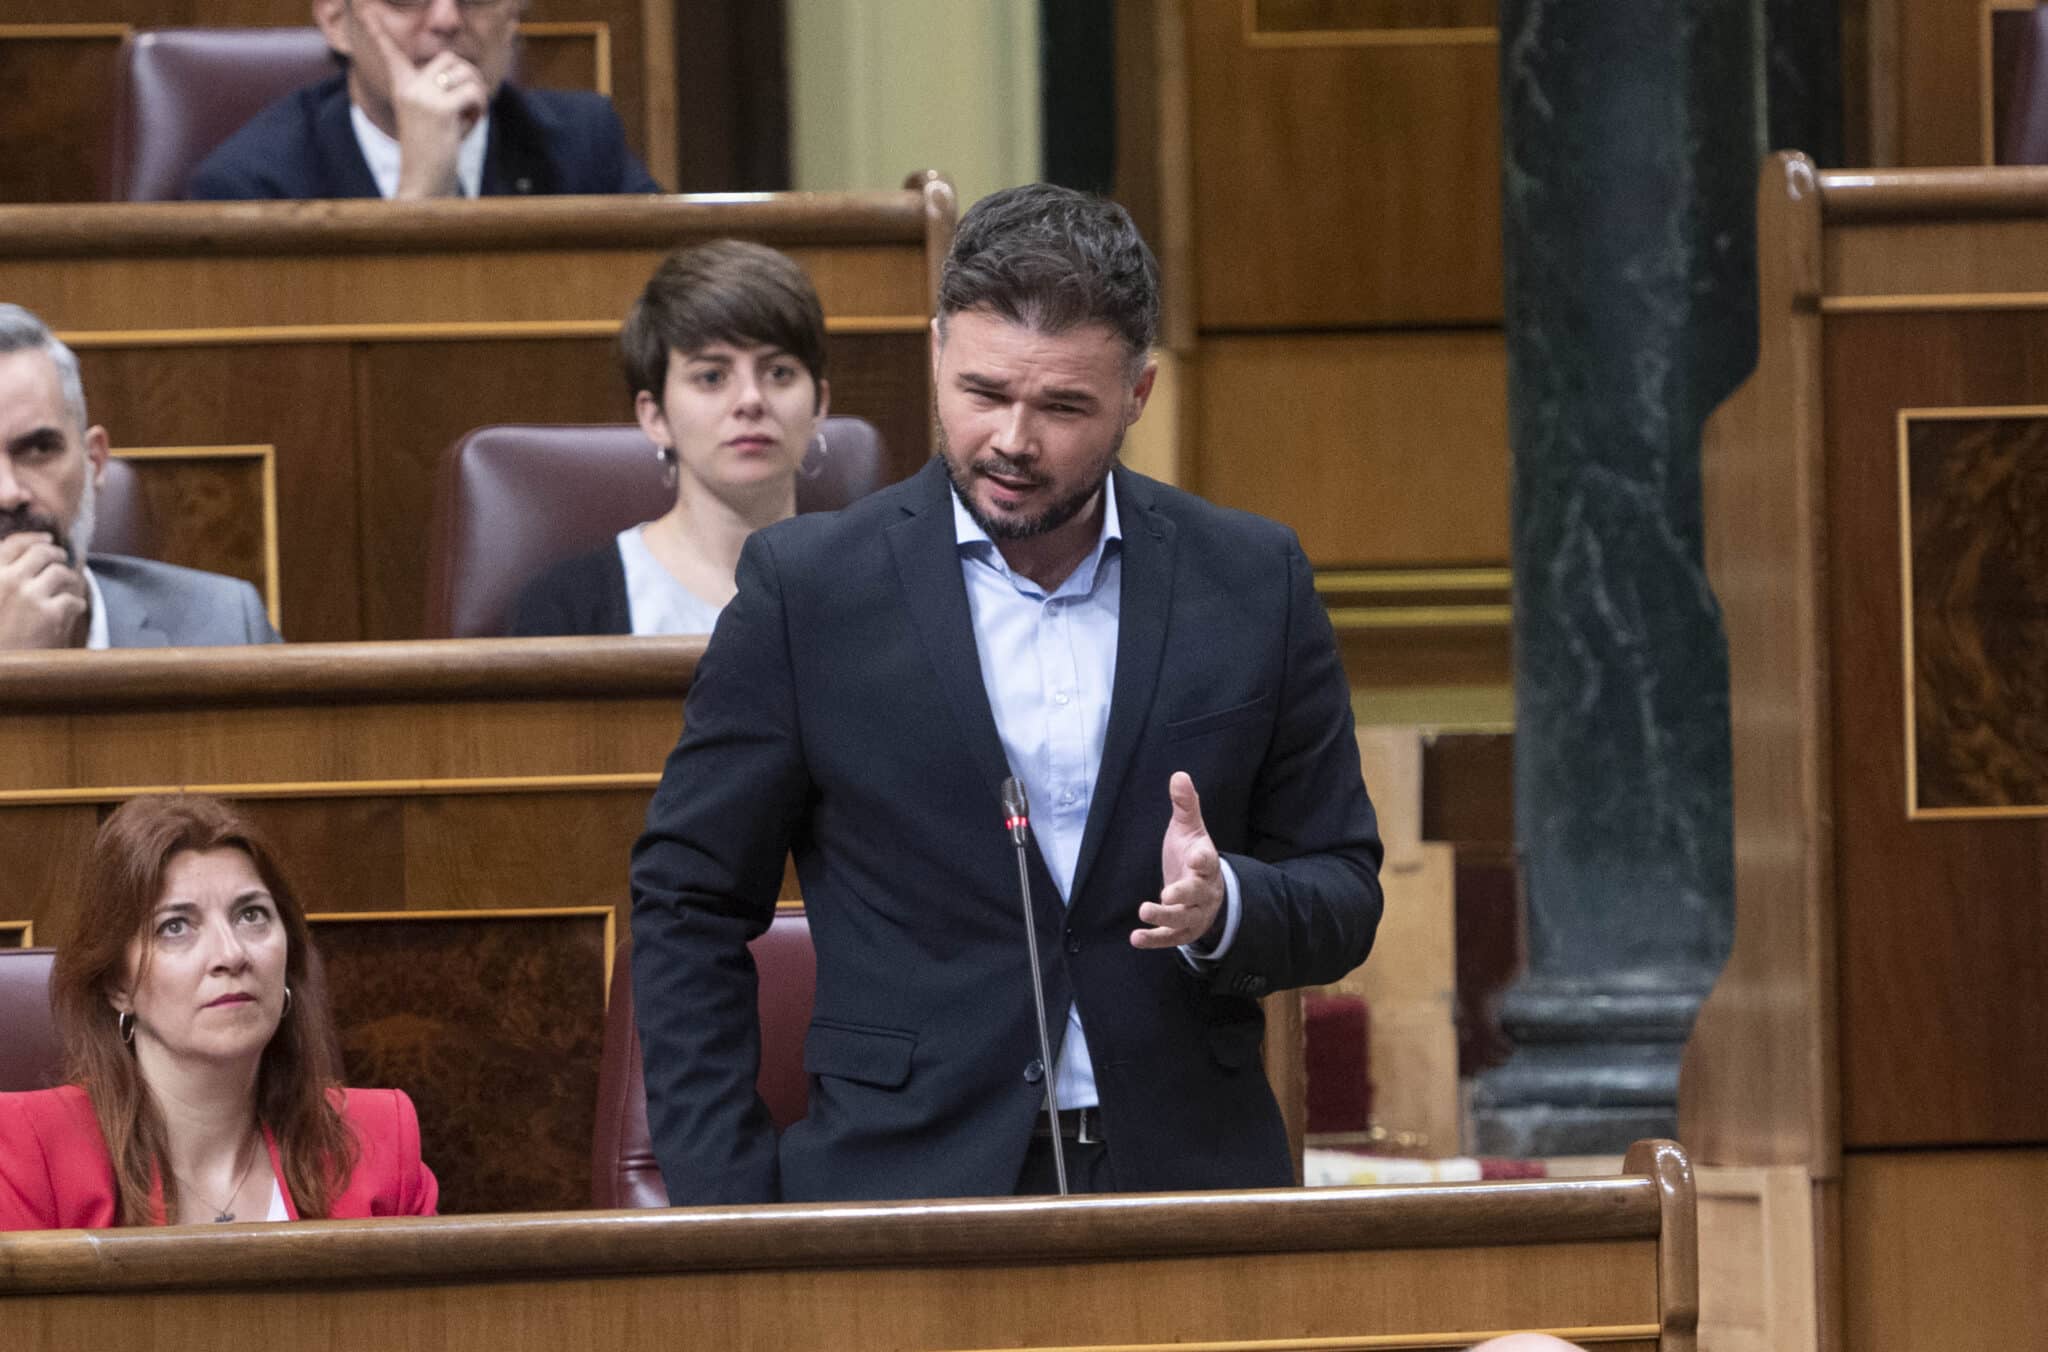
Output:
x=53 y=592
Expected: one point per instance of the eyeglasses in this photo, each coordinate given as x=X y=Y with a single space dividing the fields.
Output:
x=414 y=6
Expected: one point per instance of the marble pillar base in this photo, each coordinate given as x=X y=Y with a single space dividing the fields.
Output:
x=1595 y=1066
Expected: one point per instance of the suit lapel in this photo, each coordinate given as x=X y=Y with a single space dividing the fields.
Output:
x=129 y=622
x=928 y=564
x=1146 y=597
x=348 y=172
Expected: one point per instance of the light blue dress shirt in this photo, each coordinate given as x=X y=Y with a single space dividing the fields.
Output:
x=1048 y=662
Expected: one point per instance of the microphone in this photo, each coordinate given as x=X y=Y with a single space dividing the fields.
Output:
x=1017 y=817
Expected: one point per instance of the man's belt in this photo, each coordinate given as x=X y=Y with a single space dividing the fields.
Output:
x=1081 y=1125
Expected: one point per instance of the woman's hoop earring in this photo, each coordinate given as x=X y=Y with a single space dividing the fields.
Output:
x=126 y=1023
x=285 y=1013
x=814 y=456
x=670 y=471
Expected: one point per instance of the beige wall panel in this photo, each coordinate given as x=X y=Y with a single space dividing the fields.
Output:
x=1379 y=449
x=1342 y=185
x=1757 y=1255
x=1945 y=1250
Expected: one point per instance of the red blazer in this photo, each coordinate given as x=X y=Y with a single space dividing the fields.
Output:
x=55 y=1173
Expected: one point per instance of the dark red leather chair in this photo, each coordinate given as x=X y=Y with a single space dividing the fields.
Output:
x=30 y=1055
x=514 y=499
x=623 y=1172
x=122 y=523
x=179 y=92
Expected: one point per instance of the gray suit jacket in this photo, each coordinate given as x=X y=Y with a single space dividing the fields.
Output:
x=156 y=605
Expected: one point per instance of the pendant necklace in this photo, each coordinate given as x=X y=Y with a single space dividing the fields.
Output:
x=221 y=1213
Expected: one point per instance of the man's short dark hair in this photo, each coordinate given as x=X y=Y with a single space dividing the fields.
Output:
x=727 y=291
x=1053 y=259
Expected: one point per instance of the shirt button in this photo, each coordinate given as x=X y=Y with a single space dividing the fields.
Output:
x=1034 y=1071
x=1073 y=942
x=1061 y=699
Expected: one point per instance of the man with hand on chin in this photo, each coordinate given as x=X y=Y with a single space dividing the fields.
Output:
x=1158 y=674
x=423 y=108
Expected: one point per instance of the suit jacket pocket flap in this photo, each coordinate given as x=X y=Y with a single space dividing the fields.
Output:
x=1181 y=728
x=876 y=1056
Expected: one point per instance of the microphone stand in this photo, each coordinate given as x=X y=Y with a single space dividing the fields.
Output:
x=1017 y=816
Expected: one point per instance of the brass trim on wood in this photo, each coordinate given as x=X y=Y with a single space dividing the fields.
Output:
x=477 y=786
x=1413 y=579
x=1937 y=300
x=1370 y=1342
x=266 y=458
x=1464 y=36
x=59 y=32
x=460 y=330
x=600 y=34
x=1357 y=618
x=22 y=933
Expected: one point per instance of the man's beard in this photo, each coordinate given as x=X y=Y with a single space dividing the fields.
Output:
x=1021 y=527
x=75 y=542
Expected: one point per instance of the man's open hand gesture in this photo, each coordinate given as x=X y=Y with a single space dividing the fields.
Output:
x=1190 y=901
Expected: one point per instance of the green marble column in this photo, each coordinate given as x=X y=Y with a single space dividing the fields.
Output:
x=1632 y=132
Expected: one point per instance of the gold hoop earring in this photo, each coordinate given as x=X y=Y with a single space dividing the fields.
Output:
x=126 y=1024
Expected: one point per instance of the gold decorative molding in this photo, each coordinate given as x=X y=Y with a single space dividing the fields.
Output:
x=339 y=788
x=465 y=330
x=60 y=32
x=1466 y=36
x=1934 y=301
x=266 y=458
x=1361 y=599
x=17 y=934
x=1371 y=1342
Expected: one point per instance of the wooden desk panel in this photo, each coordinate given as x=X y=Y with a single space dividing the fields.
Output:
x=1607 y=1262
x=360 y=339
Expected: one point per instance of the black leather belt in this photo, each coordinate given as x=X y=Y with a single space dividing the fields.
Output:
x=1081 y=1125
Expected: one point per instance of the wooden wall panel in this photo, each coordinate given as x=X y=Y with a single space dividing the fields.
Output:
x=209 y=510
x=1350 y=17
x=1381 y=450
x=1383 y=163
x=53 y=139
x=45 y=849
x=295 y=396
x=1948 y=1250
x=1944 y=938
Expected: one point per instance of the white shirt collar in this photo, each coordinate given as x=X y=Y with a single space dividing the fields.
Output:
x=968 y=531
x=97 y=636
x=381 y=153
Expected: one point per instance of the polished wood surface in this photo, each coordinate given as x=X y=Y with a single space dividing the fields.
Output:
x=1606 y=1261
x=1758 y=1085
x=1948 y=1249
x=1386 y=223
x=1384 y=450
x=1885 y=987
x=59 y=57
x=359 y=339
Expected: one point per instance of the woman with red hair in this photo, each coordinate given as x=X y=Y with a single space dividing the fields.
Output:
x=204 y=1072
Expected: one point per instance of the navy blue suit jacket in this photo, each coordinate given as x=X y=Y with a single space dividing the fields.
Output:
x=839 y=714
x=542 y=141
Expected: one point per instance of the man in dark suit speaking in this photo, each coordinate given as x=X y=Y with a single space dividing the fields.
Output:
x=423 y=109
x=1156 y=671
